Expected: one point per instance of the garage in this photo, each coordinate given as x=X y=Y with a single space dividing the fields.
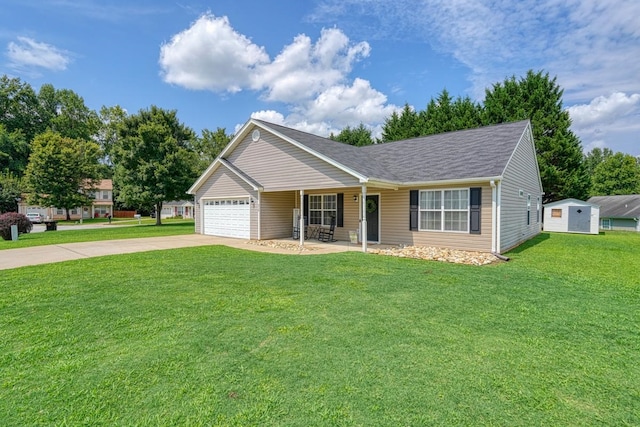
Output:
x=227 y=217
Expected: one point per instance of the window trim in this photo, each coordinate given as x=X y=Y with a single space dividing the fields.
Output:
x=443 y=211
x=323 y=211
x=608 y=222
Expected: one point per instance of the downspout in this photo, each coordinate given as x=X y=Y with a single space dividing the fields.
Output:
x=493 y=216
x=259 y=213
x=363 y=207
x=498 y=216
x=301 y=221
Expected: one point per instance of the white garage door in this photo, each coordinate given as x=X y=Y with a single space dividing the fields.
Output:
x=227 y=218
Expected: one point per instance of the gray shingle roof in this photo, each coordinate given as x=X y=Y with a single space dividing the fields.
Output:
x=618 y=206
x=466 y=154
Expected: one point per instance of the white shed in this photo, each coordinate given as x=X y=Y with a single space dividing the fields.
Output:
x=572 y=216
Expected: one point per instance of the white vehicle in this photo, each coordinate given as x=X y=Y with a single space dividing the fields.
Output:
x=35 y=217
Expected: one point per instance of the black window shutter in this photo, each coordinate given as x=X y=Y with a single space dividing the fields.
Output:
x=340 y=219
x=305 y=208
x=413 y=210
x=475 y=202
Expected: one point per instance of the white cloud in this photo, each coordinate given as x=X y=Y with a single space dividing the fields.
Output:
x=603 y=109
x=311 y=79
x=211 y=55
x=29 y=54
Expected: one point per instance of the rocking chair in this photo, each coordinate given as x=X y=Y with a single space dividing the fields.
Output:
x=326 y=234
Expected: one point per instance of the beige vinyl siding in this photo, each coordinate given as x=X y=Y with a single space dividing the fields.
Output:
x=225 y=184
x=276 y=220
x=278 y=165
x=521 y=173
x=394 y=208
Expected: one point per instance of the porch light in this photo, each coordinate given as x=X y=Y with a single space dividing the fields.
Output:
x=355 y=198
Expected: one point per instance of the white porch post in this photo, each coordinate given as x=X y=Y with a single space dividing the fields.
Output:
x=363 y=207
x=301 y=220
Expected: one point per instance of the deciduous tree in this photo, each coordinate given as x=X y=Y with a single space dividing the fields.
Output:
x=210 y=144
x=618 y=173
x=154 y=159
x=62 y=171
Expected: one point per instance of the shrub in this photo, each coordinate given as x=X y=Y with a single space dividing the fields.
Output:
x=13 y=218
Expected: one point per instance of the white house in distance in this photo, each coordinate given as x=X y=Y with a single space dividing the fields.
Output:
x=571 y=216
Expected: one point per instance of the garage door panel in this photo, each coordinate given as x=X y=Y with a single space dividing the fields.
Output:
x=227 y=218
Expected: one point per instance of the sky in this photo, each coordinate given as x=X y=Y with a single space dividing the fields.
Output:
x=322 y=65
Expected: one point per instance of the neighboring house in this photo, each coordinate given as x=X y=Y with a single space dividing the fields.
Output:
x=619 y=212
x=175 y=208
x=100 y=207
x=571 y=216
x=475 y=189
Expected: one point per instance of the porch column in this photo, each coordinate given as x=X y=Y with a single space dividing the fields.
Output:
x=301 y=220
x=363 y=208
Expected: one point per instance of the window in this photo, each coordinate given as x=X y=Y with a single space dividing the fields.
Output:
x=105 y=195
x=556 y=213
x=322 y=207
x=605 y=224
x=528 y=209
x=538 y=210
x=444 y=210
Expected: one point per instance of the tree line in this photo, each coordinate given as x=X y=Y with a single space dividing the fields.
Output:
x=55 y=149
x=565 y=170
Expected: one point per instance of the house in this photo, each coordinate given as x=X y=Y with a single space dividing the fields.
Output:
x=176 y=208
x=101 y=206
x=619 y=212
x=571 y=216
x=475 y=189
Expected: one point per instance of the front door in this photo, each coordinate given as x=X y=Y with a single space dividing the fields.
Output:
x=373 y=218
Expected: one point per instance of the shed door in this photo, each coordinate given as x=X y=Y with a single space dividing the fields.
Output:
x=227 y=218
x=580 y=219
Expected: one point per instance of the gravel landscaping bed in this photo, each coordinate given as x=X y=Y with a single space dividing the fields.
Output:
x=439 y=254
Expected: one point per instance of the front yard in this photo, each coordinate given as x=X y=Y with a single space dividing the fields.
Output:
x=220 y=336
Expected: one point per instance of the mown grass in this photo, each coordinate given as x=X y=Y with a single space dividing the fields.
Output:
x=219 y=336
x=168 y=228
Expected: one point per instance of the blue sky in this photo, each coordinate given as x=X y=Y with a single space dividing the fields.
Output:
x=320 y=65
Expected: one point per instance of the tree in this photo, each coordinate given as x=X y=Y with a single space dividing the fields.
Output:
x=401 y=126
x=594 y=157
x=71 y=117
x=210 y=145
x=62 y=171
x=19 y=108
x=111 y=118
x=154 y=159
x=539 y=98
x=443 y=115
x=10 y=192
x=14 y=151
x=358 y=136
x=618 y=173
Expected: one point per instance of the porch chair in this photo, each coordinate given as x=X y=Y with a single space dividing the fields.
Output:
x=326 y=234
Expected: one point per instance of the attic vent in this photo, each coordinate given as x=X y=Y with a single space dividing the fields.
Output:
x=255 y=135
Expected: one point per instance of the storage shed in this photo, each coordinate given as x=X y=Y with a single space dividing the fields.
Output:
x=571 y=216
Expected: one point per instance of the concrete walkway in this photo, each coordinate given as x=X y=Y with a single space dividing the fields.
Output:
x=14 y=258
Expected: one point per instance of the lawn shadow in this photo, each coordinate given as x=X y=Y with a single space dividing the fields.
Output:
x=530 y=243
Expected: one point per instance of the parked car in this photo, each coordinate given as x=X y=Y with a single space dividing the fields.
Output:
x=35 y=217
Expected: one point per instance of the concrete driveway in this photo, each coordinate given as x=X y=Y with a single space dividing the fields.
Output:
x=14 y=258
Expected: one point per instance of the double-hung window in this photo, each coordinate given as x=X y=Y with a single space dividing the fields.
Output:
x=444 y=210
x=322 y=207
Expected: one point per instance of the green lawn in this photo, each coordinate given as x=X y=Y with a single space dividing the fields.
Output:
x=218 y=336
x=108 y=232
